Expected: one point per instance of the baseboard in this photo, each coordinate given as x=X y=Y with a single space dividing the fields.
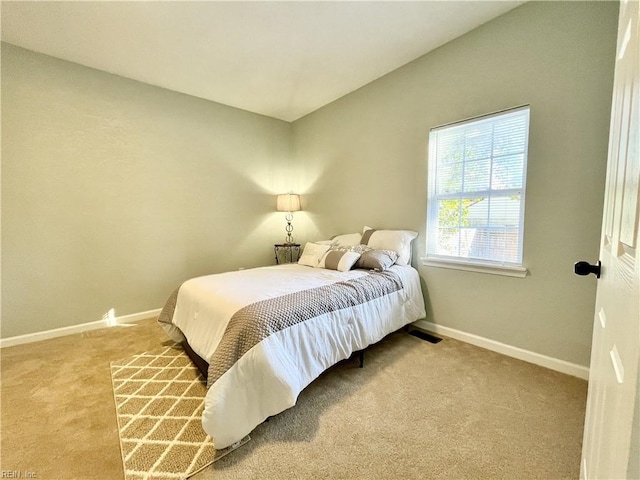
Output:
x=109 y=320
x=508 y=350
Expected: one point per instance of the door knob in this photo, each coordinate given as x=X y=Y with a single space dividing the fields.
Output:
x=585 y=268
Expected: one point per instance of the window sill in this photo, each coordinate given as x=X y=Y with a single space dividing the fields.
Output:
x=509 y=271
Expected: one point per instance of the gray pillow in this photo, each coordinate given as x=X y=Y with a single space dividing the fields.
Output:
x=370 y=259
x=378 y=260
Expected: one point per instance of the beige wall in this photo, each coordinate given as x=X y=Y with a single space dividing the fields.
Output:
x=363 y=161
x=114 y=191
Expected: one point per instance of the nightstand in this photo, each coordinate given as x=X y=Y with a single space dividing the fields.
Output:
x=286 y=252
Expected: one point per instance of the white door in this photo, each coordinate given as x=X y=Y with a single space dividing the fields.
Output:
x=611 y=447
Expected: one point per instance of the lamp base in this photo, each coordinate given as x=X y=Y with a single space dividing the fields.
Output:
x=289 y=228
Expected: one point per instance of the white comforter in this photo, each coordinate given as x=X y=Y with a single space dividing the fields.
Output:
x=269 y=377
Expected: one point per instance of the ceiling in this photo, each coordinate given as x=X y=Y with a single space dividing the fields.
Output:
x=280 y=59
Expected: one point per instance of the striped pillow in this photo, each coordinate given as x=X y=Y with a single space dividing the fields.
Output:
x=339 y=260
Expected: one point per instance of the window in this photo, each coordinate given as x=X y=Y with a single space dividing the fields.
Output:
x=477 y=176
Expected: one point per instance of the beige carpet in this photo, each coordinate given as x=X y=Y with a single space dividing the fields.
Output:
x=159 y=398
x=417 y=410
x=421 y=411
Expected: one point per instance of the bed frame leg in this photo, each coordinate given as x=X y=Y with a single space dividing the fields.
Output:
x=361 y=358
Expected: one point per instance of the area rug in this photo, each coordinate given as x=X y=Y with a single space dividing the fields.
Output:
x=159 y=400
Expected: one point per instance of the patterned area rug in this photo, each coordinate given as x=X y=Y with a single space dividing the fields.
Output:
x=159 y=402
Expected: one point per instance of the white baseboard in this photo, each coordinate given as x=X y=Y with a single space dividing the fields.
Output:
x=508 y=350
x=109 y=320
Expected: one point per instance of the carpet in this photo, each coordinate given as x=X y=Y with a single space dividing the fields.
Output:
x=159 y=399
x=416 y=410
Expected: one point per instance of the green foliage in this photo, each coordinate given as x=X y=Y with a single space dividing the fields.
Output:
x=455 y=212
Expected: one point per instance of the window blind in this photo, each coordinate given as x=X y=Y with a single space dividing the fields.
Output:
x=477 y=179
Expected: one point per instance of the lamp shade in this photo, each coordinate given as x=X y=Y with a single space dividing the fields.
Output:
x=289 y=202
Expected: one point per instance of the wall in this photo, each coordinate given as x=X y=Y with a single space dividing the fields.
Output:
x=113 y=192
x=363 y=161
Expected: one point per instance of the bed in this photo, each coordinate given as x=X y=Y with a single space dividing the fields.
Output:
x=266 y=333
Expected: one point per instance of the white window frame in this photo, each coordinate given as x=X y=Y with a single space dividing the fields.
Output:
x=514 y=269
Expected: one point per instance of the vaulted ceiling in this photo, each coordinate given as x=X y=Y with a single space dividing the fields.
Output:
x=280 y=59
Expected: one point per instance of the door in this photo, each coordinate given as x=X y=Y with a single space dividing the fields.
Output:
x=611 y=448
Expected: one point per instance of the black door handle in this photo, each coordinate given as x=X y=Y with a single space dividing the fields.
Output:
x=585 y=268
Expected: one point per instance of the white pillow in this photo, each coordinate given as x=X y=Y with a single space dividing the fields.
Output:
x=340 y=260
x=326 y=242
x=312 y=254
x=396 y=240
x=347 y=239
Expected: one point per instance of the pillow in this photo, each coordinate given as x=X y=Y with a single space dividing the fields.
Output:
x=379 y=260
x=339 y=260
x=352 y=248
x=397 y=240
x=347 y=239
x=325 y=242
x=312 y=254
x=364 y=250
